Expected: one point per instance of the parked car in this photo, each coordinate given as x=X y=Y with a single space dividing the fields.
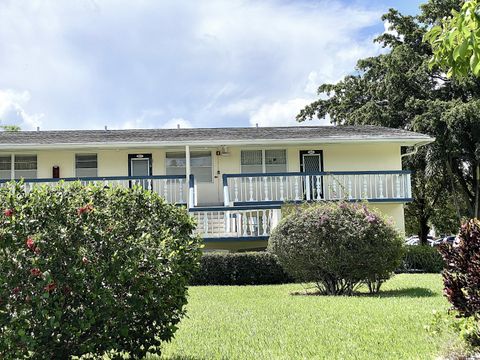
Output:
x=415 y=240
x=450 y=239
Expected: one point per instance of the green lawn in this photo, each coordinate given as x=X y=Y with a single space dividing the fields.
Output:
x=266 y=322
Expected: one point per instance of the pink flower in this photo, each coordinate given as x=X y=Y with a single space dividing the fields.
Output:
x=84 y=209
x=85 y=261
x=50 y=287
x=16 y=290
x=35 y=272
x=8 y=212
x=30 y=243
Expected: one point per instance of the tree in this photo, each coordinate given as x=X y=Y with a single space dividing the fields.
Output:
x=455 y=41
x=399 y=89
x=10 y=127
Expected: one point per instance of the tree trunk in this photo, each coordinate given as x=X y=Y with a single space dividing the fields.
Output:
x=424 y=229
x=477 y=191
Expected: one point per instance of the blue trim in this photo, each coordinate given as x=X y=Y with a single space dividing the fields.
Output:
x=251 y=203
x=400 y=200
x=191 y=181
x=225 y=179
x=268 y=203
x=235 y=239
x=47 y=180
x=235 y=208
x=385 y=172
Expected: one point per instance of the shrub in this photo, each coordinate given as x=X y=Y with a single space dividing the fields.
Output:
x=461 y=277
x=248 y=268
x=337 y=246
x=91 y=269
x=422 y=258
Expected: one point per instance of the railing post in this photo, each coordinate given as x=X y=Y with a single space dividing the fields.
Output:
x=191 y=191
x=265 y=187
x=226 y=194
x=296 y=188
x=380 y=184
x=398 y=185
x=409 y=185
x=307 y=188
x=226 y=202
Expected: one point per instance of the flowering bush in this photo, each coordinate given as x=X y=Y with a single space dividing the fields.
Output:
x=461 y=277
x=338 y=246
x=90 y=270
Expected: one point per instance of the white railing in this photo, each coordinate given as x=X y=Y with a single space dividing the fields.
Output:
x=348 y=185
x=235 y=222
x=173 y=188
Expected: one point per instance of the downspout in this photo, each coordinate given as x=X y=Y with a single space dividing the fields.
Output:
x=413 y=152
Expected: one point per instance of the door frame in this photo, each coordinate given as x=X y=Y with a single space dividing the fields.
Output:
x=311 y=152
x=132 y=157
x=302 y=169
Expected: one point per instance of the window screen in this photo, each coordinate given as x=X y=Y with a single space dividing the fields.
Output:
x=5 y=166
x=25 y=166
x=200 y=164
x=251 y=161
x=86 y=165
x=175 y=163
x=275 y=161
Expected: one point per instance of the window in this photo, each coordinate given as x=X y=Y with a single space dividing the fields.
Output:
x=25 y=166
x=252 y=161
x=5 y=166
x=86 y=165
x=200 y=164
x=275 y=161
x=263 y=161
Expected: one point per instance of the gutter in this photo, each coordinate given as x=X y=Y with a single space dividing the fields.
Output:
x=415 y=148
x=213 y=143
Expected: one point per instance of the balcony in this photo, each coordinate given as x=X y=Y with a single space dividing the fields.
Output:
x=173 y=188
x=374 y=186
x=252 y=202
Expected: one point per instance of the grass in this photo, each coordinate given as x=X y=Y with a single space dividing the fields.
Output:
x=266 y=322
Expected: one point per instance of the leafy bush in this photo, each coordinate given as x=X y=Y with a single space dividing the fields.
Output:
x=91 y=269
x=461 y=276
x=337 y=246
x=248 y=268
x=422 y=258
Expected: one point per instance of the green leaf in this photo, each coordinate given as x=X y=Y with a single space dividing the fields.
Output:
x=473 y=61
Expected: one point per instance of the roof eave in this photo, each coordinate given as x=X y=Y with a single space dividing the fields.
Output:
x=412 y=141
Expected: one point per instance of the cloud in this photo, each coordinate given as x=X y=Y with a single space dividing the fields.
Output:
x=87 y=64
x=282 y=114
x=175 y=122
x=12 y=110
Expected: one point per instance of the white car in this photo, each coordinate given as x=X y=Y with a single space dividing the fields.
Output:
x=415 y=240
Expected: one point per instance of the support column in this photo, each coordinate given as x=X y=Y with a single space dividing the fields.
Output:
x=187 y=160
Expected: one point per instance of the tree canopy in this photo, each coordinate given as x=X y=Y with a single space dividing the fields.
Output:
x=456 y=41
x=401 y=89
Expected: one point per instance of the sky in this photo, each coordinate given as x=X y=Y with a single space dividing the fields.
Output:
x=86 y=64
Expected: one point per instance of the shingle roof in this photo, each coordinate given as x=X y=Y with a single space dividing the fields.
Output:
x=208 y=135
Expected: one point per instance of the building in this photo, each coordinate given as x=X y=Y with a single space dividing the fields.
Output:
x=233 y=180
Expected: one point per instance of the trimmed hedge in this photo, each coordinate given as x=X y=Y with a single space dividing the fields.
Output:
x=337 y=246
x=421 y=258
x=263 y=268
x=248 y=268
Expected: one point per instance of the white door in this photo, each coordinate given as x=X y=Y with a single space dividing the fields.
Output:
x=140 y=166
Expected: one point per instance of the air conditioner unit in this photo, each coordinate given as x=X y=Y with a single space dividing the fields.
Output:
x=224 y=151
